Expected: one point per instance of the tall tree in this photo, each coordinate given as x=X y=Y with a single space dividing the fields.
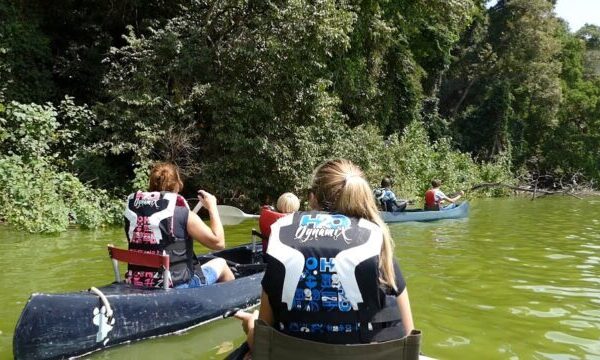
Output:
x=515 y=92
x=574 y=145
x=591 y=35
x=25 y=55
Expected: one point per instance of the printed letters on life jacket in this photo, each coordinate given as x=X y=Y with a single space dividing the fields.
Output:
x=322 y=291
x=149 y=228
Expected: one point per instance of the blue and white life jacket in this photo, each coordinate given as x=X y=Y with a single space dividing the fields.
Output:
x=323 y=277
x=379 y=194
x=149 y=225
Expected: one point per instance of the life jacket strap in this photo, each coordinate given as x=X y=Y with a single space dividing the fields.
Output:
x=387 y=314
x=287 y=316
x=198 y=269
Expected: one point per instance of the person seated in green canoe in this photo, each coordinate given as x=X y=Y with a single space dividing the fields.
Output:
x=331 y=276
x=160 y=221
x=386 y=198
x=435 y=198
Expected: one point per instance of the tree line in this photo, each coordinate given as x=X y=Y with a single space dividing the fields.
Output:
x=248 y=96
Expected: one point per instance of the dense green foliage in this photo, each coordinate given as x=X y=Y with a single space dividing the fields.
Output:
x=25 y=57
x=36 y=194
x=574 y=144
x=38 y=198
x=523 y=85
x=248 y=97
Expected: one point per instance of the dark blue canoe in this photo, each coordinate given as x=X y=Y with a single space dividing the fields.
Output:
x=461 y=211
x=58 y=326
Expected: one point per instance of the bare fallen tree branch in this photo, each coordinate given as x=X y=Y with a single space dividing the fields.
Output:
x=570 y=191
x=512 y=187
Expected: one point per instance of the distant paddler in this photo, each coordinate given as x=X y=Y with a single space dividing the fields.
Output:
x=435 y=198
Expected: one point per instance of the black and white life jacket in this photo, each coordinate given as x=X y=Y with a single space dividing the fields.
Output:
x=149 y=225
x=323 y=277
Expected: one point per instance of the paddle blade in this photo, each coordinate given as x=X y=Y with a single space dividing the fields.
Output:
x=231 y=215
x=226 y=220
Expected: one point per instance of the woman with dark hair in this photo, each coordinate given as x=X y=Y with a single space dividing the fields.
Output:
x=331 y=276
x=160 y=221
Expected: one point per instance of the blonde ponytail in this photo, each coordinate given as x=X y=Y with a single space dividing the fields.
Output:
x=340 y=186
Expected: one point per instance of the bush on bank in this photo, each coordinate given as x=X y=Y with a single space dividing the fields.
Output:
x=40 y=196
x=37 y=195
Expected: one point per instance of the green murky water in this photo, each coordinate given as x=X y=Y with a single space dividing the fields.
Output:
x=516 y=280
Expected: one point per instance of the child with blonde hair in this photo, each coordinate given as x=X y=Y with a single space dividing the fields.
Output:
x=288 y=203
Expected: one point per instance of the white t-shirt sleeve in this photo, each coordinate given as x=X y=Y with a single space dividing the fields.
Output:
x=439 y=195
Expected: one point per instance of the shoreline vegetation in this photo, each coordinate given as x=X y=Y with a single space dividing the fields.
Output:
x=247 y=97
x=523 y=190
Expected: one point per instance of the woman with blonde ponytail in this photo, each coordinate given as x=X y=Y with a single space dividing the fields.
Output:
x=331 y=276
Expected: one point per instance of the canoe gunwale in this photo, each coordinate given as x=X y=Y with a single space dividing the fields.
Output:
x=419 y=215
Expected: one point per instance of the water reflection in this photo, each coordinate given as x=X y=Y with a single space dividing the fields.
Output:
x=503 y=291
x=518 y=279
